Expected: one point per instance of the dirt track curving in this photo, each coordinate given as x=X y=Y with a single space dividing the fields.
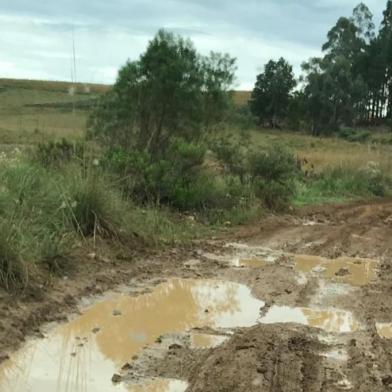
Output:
x=324 y=274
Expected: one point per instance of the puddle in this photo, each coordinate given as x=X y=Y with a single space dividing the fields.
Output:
x=83 y=354
x=206 y=341
x=384 y=330
x=331 y=320
x=159 y=385
x=353 y=271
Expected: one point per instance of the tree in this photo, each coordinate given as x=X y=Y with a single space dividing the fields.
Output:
x=219 y=70
x=363 y=21
x=163 y=95
x=343 y=40
x=271 y=95
x=385 y=48
x=332 y=96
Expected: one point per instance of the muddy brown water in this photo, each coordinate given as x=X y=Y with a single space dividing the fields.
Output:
x=330 y=320
x=83 y=354
x=353 y=271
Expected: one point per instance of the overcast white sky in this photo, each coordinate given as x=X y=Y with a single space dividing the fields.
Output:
x=36 y=35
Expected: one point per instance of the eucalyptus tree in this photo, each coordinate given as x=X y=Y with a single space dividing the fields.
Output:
x=271 y=94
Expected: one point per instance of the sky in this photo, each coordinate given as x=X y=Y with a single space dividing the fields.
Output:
x=36 y=35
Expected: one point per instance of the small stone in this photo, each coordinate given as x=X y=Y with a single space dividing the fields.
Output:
x=126 y=366
x=92 y=256
x=206 y=311
x=343 y=272
x=96 y=330
x=175 y=346
x=158 y=340
x=73 y=354
x=116 y=378
x=4 y=357
x=116 y=312
x=81 y=345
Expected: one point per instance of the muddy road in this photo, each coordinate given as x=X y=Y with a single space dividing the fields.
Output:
x=300 y=302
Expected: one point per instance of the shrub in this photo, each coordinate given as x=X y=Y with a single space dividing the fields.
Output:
x=353 y=135
x=232 y=154
x=168 y=180
x=57 y=154
x=273 y=172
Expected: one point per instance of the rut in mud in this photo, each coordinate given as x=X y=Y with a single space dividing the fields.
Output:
x=297 y=303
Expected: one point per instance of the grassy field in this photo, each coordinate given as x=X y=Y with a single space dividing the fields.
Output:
x=49 y=206
x=35 y=111
x=318 y=153
x=38 y=111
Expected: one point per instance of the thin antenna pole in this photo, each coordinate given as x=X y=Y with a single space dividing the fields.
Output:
x=71 y=69
x=74 y=67
x=74 y=53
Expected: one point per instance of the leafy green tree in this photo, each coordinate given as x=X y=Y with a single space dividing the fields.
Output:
x=385 y=49
x=363 y=21
x=219 y=70
x=271 y=94
x=343 y=40
x=170 y=91
x=330 y=93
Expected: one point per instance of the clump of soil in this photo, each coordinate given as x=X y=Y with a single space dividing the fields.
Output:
x=261 y=358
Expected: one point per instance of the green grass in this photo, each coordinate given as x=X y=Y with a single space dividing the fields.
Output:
x=342 y=184
x=45 y=213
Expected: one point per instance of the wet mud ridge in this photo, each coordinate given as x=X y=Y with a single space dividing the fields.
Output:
x=296 y=303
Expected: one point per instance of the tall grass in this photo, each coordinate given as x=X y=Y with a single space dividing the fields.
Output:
x=45 y=212
x=344 y=183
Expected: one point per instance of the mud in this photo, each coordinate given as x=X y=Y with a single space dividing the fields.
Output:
x=93 y=346
x=314 y=312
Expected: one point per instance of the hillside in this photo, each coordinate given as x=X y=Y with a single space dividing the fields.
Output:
x=32 y=111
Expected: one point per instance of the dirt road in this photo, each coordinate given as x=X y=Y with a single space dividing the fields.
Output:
x=300 y=302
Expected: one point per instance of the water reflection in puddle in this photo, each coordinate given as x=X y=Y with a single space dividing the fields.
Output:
x=334 y=321
x=159 y=385
x=206 y=341
x=83 y=354
x=353 y=271
x=384 y=330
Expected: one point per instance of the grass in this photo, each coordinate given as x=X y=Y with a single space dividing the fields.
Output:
x=47 y=210
x=320 y=153
x=45 y=213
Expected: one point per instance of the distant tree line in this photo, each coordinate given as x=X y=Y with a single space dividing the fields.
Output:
x=350 y=84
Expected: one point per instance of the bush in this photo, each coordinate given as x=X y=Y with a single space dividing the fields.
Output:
x=232 y=154
x=57 y=154
x=353 y=135
x=273 y=172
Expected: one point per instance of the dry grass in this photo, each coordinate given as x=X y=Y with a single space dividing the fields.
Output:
x=26 y=115
x=241 y=98
x=56 y=86
x=320 y=153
